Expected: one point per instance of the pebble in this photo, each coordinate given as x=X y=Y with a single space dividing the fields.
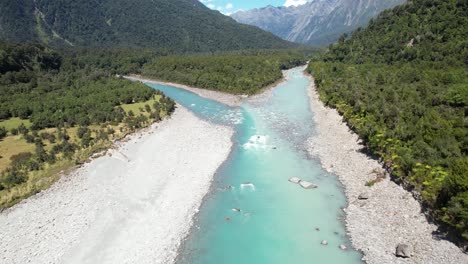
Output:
x=363 y=196
x=294 y=180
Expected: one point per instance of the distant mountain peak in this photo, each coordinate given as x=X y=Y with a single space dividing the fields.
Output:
x=289 y=3
x=318 y=22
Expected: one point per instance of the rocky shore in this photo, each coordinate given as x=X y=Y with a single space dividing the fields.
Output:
x=382 y=216
x=133 y=205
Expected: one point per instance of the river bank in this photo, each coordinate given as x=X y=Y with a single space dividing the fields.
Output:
x=390 y=215
x=225 y=98
x=133 y=205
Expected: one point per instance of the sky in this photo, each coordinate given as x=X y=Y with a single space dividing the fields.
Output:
x=230 y=6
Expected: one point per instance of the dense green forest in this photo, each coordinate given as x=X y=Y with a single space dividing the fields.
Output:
x=59 y=107
x=239 y=73
x=402 y=85
x=175 y=25
x=70 y=92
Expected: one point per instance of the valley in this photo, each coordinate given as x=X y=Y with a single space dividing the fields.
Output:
x=161 y=131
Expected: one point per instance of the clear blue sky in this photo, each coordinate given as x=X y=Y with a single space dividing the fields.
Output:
x=230 y=6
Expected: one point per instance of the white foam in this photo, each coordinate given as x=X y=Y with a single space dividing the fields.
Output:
x=248 y=185
x=257 y=142
x=233 y=117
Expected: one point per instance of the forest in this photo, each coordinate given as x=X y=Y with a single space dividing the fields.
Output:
x=245 y=72
x=402 y=85
x=58 y=108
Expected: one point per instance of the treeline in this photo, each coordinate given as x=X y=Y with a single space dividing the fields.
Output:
x=244 y=72
x=110 y=61
x=402 y=85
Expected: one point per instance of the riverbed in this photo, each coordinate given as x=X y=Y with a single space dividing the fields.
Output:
x=253 y=214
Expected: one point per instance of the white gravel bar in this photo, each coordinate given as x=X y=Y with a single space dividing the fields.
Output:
x=135 y=209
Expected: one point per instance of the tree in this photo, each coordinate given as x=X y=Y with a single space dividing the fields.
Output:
x=14 y=131
x=20 y=160
x=147 y=108
x=155 y=115
x=82 y=131
x=3 y=132
x=13 y=177
x=22 y=129
x=86 y=139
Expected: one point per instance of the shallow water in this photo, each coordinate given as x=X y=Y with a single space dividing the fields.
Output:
x=278 y=222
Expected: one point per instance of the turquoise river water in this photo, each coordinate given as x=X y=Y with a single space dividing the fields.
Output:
x=278 y=222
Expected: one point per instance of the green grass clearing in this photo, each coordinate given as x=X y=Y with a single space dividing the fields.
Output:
x=10 y=146
x=14 y=122
x=135 y=108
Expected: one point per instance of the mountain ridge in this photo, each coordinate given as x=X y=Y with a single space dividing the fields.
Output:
x=182 y=25
x=319 y=22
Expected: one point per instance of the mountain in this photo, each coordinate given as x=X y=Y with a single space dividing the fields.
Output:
x=401 y=84
x=181 y=25
x=319 y=22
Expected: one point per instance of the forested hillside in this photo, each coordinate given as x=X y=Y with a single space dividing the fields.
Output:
x=402 y=85
x=56 y=109
x=237 y=72
x=175 y=25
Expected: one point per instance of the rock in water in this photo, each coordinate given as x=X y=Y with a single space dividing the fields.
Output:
x=294 y=180
x=324 y=242
x=343 y=247
x=403 y=251
x=307 y=185
x=363 y=196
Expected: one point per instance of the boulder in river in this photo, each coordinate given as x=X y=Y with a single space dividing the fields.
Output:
x=403 y=251
x=343 y=247
x=294 y=180
x=363 y=196
x=324 y=242
x=307 y=185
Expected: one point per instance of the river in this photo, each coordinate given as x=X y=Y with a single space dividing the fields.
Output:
x=253 y=214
